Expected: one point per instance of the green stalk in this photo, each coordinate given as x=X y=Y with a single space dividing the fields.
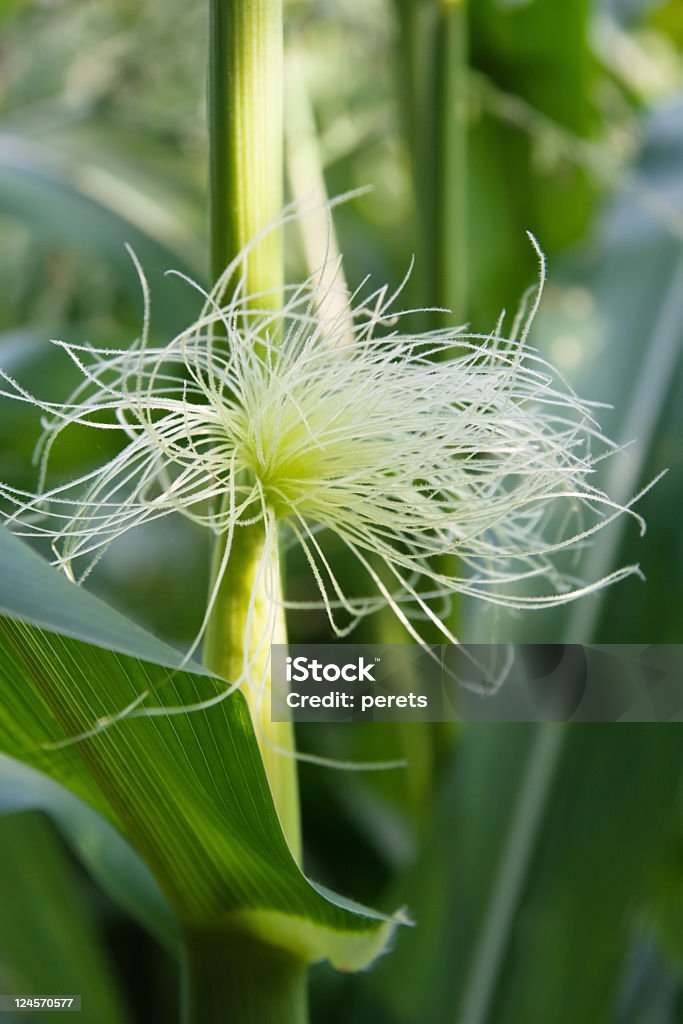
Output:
x=236 y=979
x=245 y=115
x=246 y=81
x=449 y=224
x=434 y=67
x=224 y=652
x=230 y=976
x=434 y=75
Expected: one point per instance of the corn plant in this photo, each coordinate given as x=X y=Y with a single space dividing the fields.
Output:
x=445 y=463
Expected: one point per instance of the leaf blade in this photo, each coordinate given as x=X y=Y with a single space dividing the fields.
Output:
x=188 y=791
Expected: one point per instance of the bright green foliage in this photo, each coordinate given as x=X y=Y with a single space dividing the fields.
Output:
x=188 y=791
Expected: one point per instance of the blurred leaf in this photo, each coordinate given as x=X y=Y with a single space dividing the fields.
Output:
x=548 y=846
x=79 y=206
x=111 y=861
x=518 y=180
x=48 y=942
x=667 y=902
x=611 y=321
x=651 y=989
x=652 y=422
x=188 y=791
x=636 y=272
x=518 y=43
x=9 y=7
x=527 y=92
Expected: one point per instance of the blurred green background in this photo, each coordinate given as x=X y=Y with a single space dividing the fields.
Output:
x=543 y=865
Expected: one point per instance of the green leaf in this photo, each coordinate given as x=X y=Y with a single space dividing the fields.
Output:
x=111 y=861
x=79 y=208
x=32 y=591
x=48 y=941
x=611 y=321
x=188 y=791
x=518 y=43
x=532 y=886
x=532 y=114
x=77 y=202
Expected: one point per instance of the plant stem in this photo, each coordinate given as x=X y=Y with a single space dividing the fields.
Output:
x=245 y=618
x=434 y=66
x=450 y=161
x=245 y=114
x=235 y=979
x=229 y=977
x=246 y=81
